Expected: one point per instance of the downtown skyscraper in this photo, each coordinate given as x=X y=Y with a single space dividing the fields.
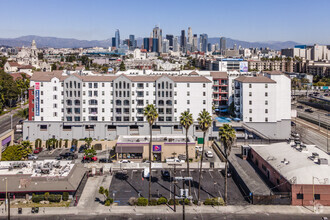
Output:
x=157 y=34
x=222 y=44
x=117 y=36
x=203 y=42
x=183 y=41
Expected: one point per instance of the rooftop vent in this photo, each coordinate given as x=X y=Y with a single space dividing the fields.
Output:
x=323 y=161
x=315 y=157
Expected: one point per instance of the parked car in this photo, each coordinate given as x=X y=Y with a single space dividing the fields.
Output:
x=105 y=160
x=68 y=156
x=125 y=161
x=58 y=158
x=73 y=148
x=146 y=173
x=309 y=110
x=89 y=159
x=32 y=157
x=209 y=154
x=37 y=150
x=166 y=174
x=174 y=160
x=82 y=149
x=300 y=107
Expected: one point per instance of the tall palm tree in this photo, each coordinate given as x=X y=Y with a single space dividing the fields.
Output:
x=186 y=120
x=151 y=114
x=205 y=122
x=227 y=136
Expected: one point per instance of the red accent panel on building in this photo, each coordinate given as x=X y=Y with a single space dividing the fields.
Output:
x=31 y=104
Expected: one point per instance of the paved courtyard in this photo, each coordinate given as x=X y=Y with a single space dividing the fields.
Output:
x=132 y=184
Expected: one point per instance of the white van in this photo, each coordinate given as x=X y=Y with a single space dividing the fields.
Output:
x=146 y=172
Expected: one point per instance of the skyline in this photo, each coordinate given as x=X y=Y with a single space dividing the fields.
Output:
x=255 y=20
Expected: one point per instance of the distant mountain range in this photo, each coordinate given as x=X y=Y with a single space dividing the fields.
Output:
x=74 y=43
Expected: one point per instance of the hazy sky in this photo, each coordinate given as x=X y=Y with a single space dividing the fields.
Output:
x=303 y=21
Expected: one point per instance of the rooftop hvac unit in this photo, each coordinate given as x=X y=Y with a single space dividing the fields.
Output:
x=316 y=157
x=323 y=161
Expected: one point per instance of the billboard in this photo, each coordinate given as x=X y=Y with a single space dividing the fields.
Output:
x=243 y=67
x=157 y=148
x=37 y=99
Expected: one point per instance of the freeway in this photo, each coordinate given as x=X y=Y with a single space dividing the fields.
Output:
x=5 y=123
x=318 y=115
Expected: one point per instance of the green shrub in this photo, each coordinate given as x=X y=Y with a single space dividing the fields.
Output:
x=153 y=202
x=214 y=201
x=37 y=198
x=142 y=201
x=161 y=201
x=54 y=198
x=171 y=202
x=195 y=202
x=46 y=195
x=186 y=201
x=108 y=201
x=65 y=196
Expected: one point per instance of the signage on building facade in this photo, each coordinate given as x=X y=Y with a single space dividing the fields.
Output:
x=157 y=148
x=37 y=99
x=243 y=67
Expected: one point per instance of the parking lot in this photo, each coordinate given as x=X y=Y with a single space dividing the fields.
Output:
x=132 y=184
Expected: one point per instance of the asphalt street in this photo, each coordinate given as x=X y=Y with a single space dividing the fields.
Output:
x=170 y=216
x=5 y=123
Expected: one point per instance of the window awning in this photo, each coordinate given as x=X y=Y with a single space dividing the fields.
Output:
x=129 y=149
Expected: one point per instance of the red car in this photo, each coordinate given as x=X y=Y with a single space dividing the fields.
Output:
x=90 y=159
x=37 y=150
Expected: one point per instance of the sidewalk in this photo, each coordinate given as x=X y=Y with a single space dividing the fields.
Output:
x=249 y=210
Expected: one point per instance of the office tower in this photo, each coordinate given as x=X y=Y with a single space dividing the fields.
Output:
x=146 y=43
x=183 y=41
x=222 y=44
x=176 y=44
x=235 y=47
x=113 y=42
x=132 y=42
x=157 y=33
x=166 y=45
x=216 y=46
x=195 y=43
x=117 y=36
x=169 y=37
x=190 y=36
x=155 y=45
x=209 y=47
x=203 y=41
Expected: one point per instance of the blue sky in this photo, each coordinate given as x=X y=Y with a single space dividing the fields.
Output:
x=251 y=20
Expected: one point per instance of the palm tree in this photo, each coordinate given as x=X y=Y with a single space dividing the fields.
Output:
x=205 y=122
x=227 y=136
x=151 y=114
x=186 y=120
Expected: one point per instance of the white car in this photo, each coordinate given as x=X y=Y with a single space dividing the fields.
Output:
x=174 y=160
x=32 y=157
x=209 y=154
x=198 y=148
x=125 y=161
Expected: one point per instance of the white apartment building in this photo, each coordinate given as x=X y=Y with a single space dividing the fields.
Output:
x=263 y=103
x=78 y=105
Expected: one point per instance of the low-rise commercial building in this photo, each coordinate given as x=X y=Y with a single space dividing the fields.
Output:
x=163 y=146
x=301 y=170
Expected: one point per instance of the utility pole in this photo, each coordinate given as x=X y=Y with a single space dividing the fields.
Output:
x=174 y=181
x=184 y=193
x=8 y=206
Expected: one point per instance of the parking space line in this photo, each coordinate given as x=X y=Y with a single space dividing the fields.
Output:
x=132 y=173
x=210 y=174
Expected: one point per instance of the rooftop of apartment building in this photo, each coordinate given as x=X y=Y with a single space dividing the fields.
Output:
x=256 y=79
x=155 y=138
x=299 y=164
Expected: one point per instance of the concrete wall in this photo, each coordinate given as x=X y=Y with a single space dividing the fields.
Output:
x=32 y=131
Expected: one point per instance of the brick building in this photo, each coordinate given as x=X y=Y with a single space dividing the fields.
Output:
x=302 y=170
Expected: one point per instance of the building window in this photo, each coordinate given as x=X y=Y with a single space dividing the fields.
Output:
x=204 y=93
x=250 y=119
x=250 y=110
x=266 y=102
x=266 y=94
x=102 y=84
x=90 y=85
x=266 y=110
x=103 y=93
x=42 y=109
x=204 y=85
x=317 y=196
x=95 y=85
x=188 y=85
x=250 y=85
x=55 y=105
x=250 y=102
x=204 y=102
x=263 y=167
x=188 y=102
x=188 y=93
x=42 y=92
x=266 y=86
x=300 y=196
x=43 y=127
x=250 y=93
x=41 y=101
x=266 y=119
